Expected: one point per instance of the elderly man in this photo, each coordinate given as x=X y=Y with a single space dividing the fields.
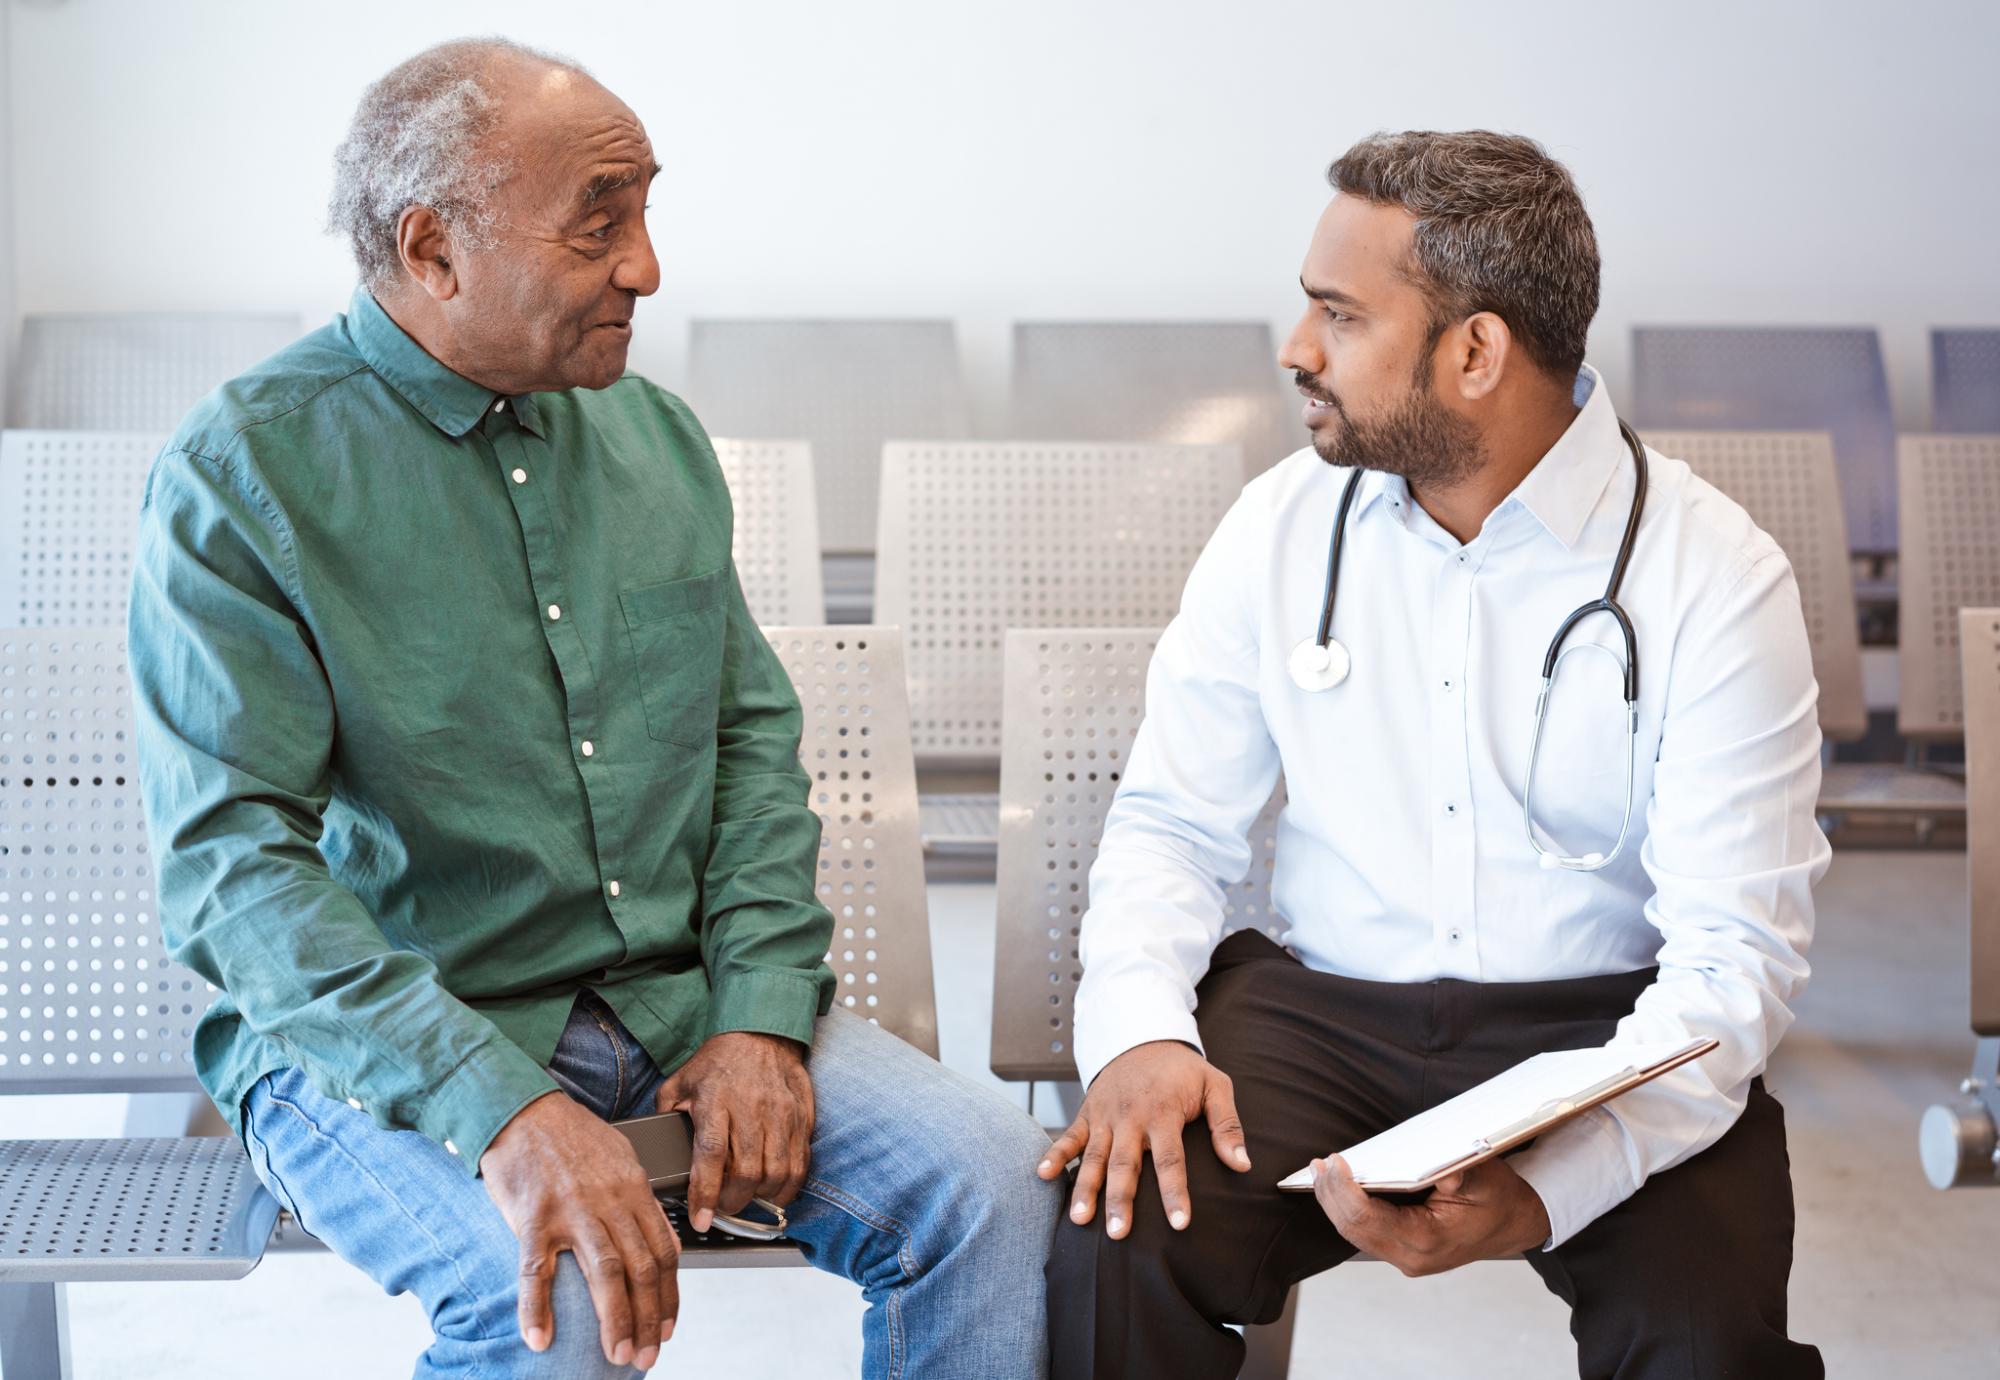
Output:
x=1470 y=485
x=475 y=790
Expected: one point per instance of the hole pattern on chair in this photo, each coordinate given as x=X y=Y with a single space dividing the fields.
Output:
x=776 y=536
x=980 y=537
x=88 y=997
x=1950 y=561
x=1185 y=381
x=1787 y=483
x=1780 y=379
x=1075 y=701
x=137 y=371
x=69 y=517
x=1965 y=381
x=92 y=1201
x=844 y=386
x=869 y=872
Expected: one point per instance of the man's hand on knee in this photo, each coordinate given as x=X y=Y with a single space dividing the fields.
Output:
x=566 y=1181
x=751 y=1102
x=1141 y=1101
x=1485 y=1213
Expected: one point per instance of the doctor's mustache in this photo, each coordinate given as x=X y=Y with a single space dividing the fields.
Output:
x=1309 y=386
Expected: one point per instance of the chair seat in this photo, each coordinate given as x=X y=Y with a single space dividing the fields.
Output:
x=163 y=1208
x=968 y=824
x=1885 y=788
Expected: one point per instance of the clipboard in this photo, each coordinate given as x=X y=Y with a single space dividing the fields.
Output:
x=1499 y=1140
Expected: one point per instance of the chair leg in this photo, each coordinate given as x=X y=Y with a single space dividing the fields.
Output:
x=1268 y=1353
x=34 y=1332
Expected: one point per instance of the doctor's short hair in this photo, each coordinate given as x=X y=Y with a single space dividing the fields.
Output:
x=1500 y=227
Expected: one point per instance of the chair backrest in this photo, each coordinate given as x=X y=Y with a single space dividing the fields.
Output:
x=1786 y=481
x=979 y=537
x=856 y=746
x=1199 y=382
x=1074 y=702
x=844 y=386
x=1950 y=561
x=69 y=515
x=1965 y=380
x=776 y=542
x=134 y=371
x=1979 y=635
x=1780 y=379
x=89 y=1001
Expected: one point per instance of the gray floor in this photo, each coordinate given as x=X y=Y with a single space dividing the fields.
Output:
x=1893 y=1279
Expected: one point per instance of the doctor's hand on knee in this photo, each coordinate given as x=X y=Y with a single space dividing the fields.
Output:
x=1484 y=1213
x=566 y=1181
x=1140 y=1103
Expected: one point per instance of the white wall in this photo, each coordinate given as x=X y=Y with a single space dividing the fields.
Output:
x=1826 y=162
x=7 y=314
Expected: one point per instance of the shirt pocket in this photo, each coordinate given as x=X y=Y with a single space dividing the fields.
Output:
x=676 y=630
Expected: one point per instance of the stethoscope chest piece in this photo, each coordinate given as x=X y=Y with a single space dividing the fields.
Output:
x=1319 y=666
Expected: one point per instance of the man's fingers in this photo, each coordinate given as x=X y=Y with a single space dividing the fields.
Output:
x=642 y=1280
x=1067 y=1147
x=1357 y=1216
x=666 y=1249
x=610 y=1294
x=711 y=1156
x=1121 y=1180
x=1170 y=1167
x=1225 y=1129
x=1090 y=1176
x=538 y=1269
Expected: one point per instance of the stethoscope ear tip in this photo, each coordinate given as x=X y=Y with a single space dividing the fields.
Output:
x=1550 y=862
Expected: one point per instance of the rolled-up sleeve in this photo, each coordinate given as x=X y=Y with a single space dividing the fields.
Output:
x=235 y=726
x=1733 y=849
x=1202 y=766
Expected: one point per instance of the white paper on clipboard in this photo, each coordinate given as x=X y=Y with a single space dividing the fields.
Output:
x=1502 y=1112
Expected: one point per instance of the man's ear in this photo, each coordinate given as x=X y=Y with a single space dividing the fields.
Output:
x=424 y=248
x=1485 y=349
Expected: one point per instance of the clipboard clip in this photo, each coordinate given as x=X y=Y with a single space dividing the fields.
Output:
x=1549 y=1111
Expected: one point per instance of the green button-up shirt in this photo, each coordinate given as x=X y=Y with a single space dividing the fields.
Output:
x=449 y=706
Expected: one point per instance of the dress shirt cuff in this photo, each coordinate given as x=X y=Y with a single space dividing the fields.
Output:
x=480 y=1097
x=1114 y=1016
x=1580 y=1171
x=769 y=1001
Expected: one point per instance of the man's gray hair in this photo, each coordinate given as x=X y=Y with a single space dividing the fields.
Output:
x=419 y=138
x=1500 y=228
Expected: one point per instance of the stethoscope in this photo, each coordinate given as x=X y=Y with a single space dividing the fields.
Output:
x=1321 y=662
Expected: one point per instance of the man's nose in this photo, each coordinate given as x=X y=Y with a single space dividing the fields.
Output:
x=1301 y=353
x=639 y=271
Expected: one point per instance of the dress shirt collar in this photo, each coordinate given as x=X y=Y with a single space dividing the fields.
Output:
x=1563 y=488
x=451 y=402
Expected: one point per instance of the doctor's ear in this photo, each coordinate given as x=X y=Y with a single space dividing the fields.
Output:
x=1483 y=347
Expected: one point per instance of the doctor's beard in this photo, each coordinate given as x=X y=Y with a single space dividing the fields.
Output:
x=1418 y=438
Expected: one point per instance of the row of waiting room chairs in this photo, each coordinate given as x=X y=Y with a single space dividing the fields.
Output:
x=980 y=537
x=89 y=1001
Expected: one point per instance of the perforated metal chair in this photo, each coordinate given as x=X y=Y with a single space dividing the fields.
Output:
x=1074 y=699
x=69 y=515
x=1198 y=382
x=90 y=1003
x=133 y=371
x=979 y=537
x=776 y=543
x=1965 y=381
x=844 y=386
x=1951 y=561
x=1747 y=378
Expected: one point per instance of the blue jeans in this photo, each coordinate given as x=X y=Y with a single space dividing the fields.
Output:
x=922 y=1190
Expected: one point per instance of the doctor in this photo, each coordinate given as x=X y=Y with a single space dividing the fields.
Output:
x=1476 y=473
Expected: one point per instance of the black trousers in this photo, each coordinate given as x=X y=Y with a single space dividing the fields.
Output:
x=1686 y=1279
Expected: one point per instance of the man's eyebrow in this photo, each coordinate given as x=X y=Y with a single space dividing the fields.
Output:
x=1331 y=295
x=606 y=182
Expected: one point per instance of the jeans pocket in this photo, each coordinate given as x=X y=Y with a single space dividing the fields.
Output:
x=676 y=630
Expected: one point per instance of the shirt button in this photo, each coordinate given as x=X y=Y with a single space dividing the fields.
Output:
x=1447 y=685
x=520 y=476
x=450 y=1147
x=590 y=749
x=1450 y=809
x=500 y=406
x=613 y=888
x=1454 y=935
x=355 y=1103
x=555 y=612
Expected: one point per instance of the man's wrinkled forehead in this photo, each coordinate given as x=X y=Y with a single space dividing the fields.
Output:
x=581 y=142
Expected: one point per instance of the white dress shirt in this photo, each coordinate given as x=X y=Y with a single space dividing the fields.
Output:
x=1402 y=855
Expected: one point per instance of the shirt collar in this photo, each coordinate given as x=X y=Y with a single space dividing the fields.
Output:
x=452 y=402
x=1564 y=487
